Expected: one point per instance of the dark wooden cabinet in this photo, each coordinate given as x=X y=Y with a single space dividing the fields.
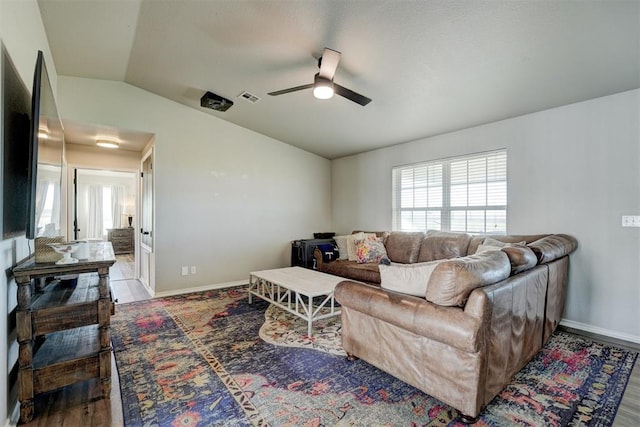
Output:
x=121 y=239
x=63 y=325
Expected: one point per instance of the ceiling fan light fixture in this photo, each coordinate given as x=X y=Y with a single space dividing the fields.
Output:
x=322 y=88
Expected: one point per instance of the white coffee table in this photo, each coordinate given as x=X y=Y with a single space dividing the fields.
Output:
x=294 y=288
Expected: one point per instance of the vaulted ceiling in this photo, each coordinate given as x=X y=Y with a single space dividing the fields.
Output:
x=430 y=66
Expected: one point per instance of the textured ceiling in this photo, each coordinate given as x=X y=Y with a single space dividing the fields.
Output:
x=429 y=66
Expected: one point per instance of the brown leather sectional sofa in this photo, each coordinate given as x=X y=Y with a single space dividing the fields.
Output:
x=474 y=329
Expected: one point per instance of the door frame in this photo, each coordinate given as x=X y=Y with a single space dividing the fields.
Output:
x=71 y=174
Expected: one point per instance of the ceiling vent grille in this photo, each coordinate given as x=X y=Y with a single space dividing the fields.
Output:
x=249 y=97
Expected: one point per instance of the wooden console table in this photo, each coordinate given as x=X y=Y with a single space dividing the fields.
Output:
x=63 y=329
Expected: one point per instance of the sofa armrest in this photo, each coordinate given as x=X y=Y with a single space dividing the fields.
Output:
x=448 y=325
x=317 y=254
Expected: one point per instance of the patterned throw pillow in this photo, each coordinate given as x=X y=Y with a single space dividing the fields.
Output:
x=370 y=249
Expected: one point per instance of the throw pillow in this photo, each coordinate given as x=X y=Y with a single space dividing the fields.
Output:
x=351 y=245
x=341 y=241
x=411 y=279
x=370 y=249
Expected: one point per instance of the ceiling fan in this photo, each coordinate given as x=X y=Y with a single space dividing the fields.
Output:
x=323 y=85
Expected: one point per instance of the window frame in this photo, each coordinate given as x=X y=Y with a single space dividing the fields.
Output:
x=446 y=209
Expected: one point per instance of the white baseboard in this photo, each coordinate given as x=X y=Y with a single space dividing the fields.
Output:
x=144 y=285
x=199 y=289
x=600 y=331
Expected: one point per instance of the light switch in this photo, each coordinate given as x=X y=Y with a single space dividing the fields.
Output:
x=630 y=221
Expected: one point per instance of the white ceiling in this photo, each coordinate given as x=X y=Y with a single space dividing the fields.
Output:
x=429 y=66
x=87 y=134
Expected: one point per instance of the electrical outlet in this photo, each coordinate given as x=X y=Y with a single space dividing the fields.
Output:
x=185 y=270
x=630 y=221
x=193 y=269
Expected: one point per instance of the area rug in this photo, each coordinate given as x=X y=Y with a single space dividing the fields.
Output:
x=211 y=358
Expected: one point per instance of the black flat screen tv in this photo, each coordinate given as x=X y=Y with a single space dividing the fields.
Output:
x=16 y=110
x=46 y=142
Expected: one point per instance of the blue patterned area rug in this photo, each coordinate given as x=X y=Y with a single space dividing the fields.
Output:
x=210 y=358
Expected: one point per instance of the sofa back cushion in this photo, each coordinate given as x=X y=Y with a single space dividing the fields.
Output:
x=404 y=246
x=552 y=247
x=453 y=280
x=443 y=245
x=509 y=238
x=521 y=258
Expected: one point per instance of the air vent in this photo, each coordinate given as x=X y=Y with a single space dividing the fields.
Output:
x=249 y=97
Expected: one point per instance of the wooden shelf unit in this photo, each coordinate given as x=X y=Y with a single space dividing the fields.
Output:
x=63 y=325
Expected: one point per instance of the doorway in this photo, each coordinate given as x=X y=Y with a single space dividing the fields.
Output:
x=104 y=209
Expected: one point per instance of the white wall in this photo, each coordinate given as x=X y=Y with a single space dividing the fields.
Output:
x=573 y=169
x=22 y=34
x=228 y=200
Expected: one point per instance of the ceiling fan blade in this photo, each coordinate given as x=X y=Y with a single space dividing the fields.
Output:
x=329 y=62
x=351 y=95
x=291 y=89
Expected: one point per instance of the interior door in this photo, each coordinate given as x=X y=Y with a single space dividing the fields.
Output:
x=146 y=259
x=146 y=224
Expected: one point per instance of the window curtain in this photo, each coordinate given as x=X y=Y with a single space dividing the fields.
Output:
x=55 y=210
x=41 y=197
x=117 y=205
x=95 y=222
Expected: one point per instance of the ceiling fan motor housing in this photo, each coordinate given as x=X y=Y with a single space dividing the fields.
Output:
x=215 y=102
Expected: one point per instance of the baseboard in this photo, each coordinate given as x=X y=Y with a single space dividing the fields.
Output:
x=200 y=289
x=600 y=331
x=151 y=291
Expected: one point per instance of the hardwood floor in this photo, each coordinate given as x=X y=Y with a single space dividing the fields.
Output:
x=82 y=404
x=629 y=411
x=78 y=405
x=123 y=269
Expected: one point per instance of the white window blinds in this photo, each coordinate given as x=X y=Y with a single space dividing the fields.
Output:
x=467 y=194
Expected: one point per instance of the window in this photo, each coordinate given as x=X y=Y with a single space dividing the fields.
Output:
x=466 y=194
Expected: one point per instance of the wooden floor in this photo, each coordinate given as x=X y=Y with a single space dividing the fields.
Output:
x=78 y=406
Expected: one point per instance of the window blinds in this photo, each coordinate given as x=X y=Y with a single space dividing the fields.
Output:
x=467 y=194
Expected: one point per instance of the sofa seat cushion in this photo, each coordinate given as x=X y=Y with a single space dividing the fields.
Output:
x=443 y=245
x=453 y=280
x=368 y=273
